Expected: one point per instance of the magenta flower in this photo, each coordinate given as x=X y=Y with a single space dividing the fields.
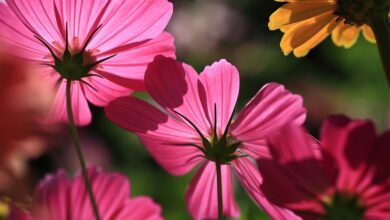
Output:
x=102 y=46
x=195 y=126
x=58 y=198
x=346 y=176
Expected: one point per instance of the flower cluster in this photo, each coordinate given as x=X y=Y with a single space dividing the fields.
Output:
x=57 y=197
x=344 y=176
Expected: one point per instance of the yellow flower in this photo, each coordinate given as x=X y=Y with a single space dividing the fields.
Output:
x=306 y=23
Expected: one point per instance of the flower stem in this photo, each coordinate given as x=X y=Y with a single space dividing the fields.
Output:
x=219 y=189
x=76 y=142
x=379 y=22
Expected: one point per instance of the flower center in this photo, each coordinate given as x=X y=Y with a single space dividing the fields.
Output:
x=74 y=66
x=355 y=11
x=343 y=206
x=221 y=149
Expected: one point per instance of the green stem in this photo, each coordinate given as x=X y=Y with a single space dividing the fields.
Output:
x=219 y=189
x=76 y=142
x=379 y=22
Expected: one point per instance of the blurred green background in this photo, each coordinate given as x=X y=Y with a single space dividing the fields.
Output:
x=332 y=80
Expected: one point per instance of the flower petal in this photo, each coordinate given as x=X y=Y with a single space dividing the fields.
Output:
x=295 y=154
x=251 y=180
x=48 y=19
x=130 y=21
x=178 y=158
x=128 y=66
x=102 y=90
x=305 y=36
x=348 y=145
x=220 y=84
x=368 y=34
x=381 y=163
x=141 y=207
x=58 y=113
x=52 y=194
x=165 y=138
x=345 y=35
x=271 y=108
x=174 y=85
x=15 y=33
x=378 y=202
x=201 y=195
x=111 y=192
x=295 y=12
x=39 y=17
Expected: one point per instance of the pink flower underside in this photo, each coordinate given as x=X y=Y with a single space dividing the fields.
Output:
x=131 y=29
x=352 y=161
x=295 y=163
x=201 y=195
x=177 y=87
x=58 y=198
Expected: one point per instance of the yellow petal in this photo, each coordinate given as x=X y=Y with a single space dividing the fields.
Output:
x=345 y=35
x=295 y=12
x=305 y=36
x=368 y=34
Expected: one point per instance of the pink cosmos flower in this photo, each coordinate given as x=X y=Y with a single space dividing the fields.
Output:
x=346 y=176
x=103 y=46
x=58 y=198
x=195 y=126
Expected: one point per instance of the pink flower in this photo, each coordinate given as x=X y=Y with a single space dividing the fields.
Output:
x=58 y=198
x=346 y=176
x=195 y=126
x=103 y=46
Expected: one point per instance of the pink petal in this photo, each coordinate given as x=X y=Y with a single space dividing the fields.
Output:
x=250 y=178
x=58 y=109
x=174 y=85
x=163 y=136
x=58 y=113
x=82 y=18
x=377 y=198
x=349 y=145
x=294 y=176
x=103 y=90
x=381 y=163
x=378 y=201
x=15 y=33
x=48 y=19
x=128 y=67
x=377 y=214
x=176 y=159
x=256 y=148
x=39 y=17
x=271 y=108
x=111 y=192
x=220 y=84
x=201 y=195
x=292 y=143
x=129 y=21
x=140 y=208
x=50 y=200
